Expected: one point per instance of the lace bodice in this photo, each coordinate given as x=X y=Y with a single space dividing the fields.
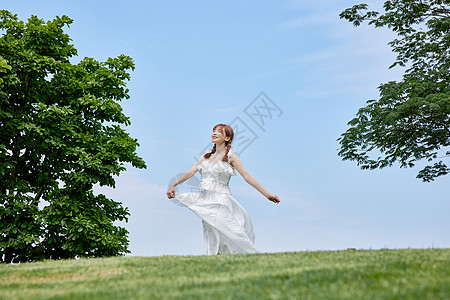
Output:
x=216 y=175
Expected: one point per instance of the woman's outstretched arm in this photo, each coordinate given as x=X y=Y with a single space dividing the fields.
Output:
x=188 y=174
x=236 y=163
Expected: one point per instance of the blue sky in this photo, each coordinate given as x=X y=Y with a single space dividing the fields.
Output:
x=199 y=63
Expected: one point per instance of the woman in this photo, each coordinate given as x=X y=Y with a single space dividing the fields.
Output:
x=227 y=228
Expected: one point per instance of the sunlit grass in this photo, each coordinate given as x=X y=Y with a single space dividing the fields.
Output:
x=361 y=274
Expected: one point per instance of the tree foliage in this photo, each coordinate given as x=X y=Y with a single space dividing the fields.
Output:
x=411 y=119
x=61 y=132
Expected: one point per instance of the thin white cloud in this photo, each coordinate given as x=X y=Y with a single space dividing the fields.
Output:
x=311 y=20
x=359 y=61
x=296 y=5
x=161 y=142
x=306 y=5
x=224 y=109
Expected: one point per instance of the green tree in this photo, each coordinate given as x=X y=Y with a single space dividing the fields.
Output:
x=410 y=121
x=61 y=132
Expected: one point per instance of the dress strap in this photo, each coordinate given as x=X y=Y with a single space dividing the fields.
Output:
x=231 y=152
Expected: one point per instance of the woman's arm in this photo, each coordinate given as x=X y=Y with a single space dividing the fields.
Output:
x=236 y=163
x=188 y=174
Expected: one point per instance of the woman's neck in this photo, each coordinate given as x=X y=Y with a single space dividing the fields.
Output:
x=220 y=148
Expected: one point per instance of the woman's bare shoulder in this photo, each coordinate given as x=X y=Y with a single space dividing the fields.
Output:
x=202 y=157
x=232 y=156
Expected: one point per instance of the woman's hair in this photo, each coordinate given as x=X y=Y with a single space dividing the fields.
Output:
x=228 y=132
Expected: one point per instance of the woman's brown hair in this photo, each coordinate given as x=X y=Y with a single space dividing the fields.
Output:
x=228 y=132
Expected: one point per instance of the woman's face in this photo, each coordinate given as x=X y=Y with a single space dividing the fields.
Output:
x=218 y=137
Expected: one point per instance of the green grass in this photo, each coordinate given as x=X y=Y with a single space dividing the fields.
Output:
x=362 y=274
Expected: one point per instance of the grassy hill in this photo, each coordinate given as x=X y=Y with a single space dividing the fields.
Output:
x=361 y=274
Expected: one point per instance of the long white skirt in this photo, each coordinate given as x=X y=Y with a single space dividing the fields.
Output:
x=227 y=228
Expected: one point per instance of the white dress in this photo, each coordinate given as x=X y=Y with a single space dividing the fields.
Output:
x=227 y=228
